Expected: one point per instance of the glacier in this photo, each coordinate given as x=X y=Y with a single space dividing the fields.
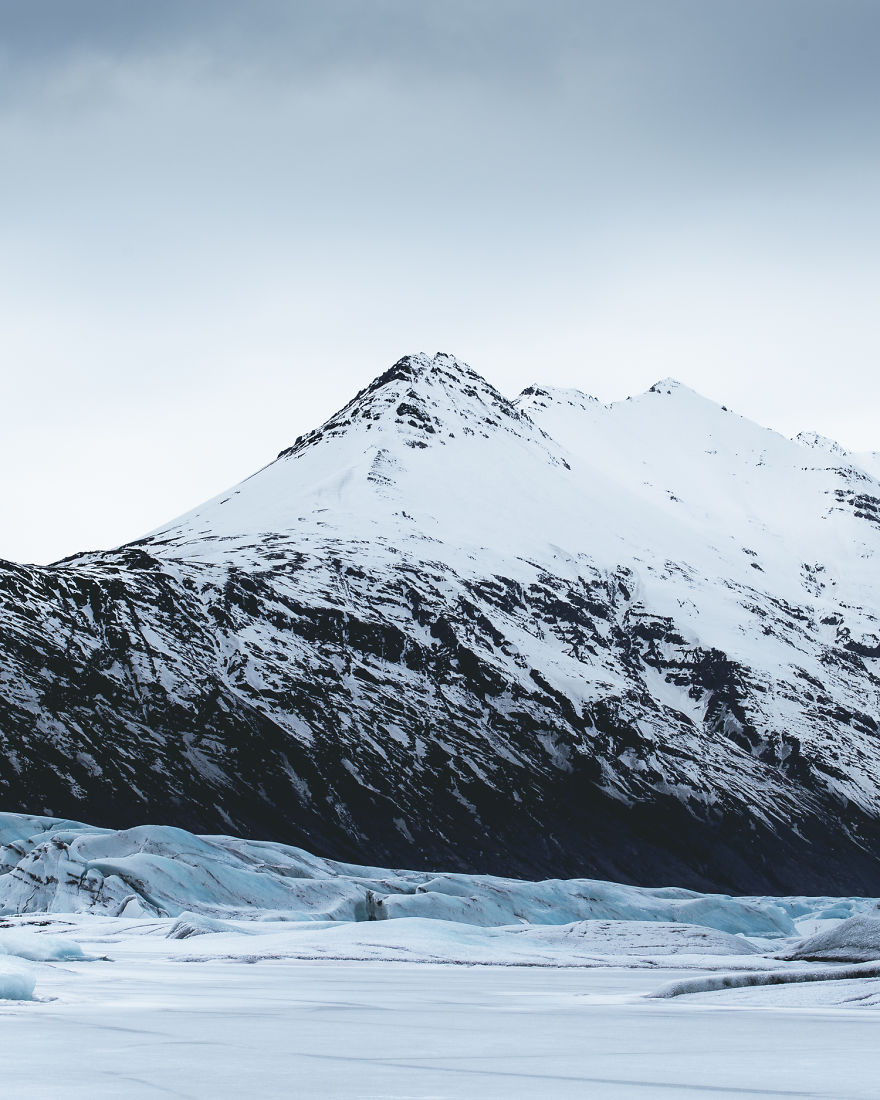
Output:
x=60 y=866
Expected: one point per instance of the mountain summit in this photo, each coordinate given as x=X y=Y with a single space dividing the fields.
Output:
x=544 y=636
x=424 y=397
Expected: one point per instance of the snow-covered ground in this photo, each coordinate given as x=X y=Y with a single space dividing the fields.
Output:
x=215 y=1017
x=151 y=962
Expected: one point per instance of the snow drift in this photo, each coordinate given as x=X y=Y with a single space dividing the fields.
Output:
x=712 y=983
x=854 y=940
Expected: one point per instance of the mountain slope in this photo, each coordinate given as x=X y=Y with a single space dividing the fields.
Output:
x=542 y=636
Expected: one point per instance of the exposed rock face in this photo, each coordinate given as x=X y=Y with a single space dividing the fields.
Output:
x=538 y=637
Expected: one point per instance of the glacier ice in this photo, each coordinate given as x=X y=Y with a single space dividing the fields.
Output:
x=25 y=944
x=16 y=982
x=59 y=866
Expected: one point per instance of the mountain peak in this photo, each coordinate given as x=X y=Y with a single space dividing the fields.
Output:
x=537 y=397
x=818 y=442
x=420 y=366
x=669 y=386
x=427 y=398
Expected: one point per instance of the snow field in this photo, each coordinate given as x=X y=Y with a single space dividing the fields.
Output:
x=160 y=1021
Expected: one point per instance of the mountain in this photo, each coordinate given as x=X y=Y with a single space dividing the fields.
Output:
x=541 y=637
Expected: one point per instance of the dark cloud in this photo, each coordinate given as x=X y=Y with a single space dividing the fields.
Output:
x=642 y=82
x=782 y=53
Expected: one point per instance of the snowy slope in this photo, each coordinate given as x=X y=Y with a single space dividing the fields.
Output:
x=542 y=636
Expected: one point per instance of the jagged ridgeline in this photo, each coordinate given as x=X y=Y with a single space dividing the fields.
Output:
x=544 y=637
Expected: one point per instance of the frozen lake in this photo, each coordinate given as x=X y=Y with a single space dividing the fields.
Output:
x=152 y=1024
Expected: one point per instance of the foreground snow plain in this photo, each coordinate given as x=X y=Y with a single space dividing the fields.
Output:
x=151 y=962
x=221 y=1019
x=152 y=1026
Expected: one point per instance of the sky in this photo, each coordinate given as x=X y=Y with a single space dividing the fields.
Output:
x=222 y=218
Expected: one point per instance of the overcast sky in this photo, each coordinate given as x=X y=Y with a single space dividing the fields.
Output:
x=220 y=218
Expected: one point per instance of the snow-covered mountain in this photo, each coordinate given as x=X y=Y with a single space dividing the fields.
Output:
x=544 y=636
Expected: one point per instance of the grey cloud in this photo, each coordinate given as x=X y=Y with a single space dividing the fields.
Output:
x=762 y=56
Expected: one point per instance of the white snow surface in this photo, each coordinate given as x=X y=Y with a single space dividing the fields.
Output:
x=426 y=1009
